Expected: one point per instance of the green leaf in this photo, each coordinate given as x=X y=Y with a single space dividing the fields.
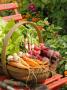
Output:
x=8 y=26
x=66 y=66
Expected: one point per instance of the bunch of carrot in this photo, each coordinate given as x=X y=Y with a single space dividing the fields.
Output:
x=25 y=62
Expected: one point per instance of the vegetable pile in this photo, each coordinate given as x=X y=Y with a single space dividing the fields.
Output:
x=24 y=33
x=42 y=51
x=21 y=60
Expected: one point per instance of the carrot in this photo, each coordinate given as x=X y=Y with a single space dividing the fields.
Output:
x=65 y=73
x=30 y=61
x=23 y=62
x=42 y=62
x=16 y=64
x=39 y=62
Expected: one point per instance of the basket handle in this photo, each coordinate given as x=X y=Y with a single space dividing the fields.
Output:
x=8 y=36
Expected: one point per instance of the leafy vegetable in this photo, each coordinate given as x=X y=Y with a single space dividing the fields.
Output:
x=61 y=67
x=16 y=40
x=64 y=87
x=52 y=39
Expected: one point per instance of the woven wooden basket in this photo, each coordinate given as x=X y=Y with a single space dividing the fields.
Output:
x=22 y=73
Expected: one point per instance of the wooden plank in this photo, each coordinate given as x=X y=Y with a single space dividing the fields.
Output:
x=52 y=79
x=15 y=17
x=8 y=6
x=58 y=83
x=2 y=77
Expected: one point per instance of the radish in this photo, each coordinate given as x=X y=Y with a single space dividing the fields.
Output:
x=36 y=48
x=39 y=57
x=10 y=58
x=20 y=54
x=34 y=52
x=56 y=54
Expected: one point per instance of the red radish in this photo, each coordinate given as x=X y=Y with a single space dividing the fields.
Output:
x=35 y=52
x=28 y=55
x=30 y=52
x=42 y=46
x=42 y=51
x=56 y=54
x=36 y=48
x=39 y=57
x=45 y=59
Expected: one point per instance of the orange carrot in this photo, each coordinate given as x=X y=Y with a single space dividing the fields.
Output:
x=30 y=61
x=16 y=64
x=23 y=62
x=42 y=62
x=65 y=73
x=38 y=61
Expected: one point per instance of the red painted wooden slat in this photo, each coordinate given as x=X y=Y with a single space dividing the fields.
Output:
x=15 y=17
x=52 y=79
x=8 y=6
x=57 y=83
x=2 y=78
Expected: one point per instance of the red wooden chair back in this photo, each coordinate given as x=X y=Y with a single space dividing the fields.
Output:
x=55 y=82
x=11 y=6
